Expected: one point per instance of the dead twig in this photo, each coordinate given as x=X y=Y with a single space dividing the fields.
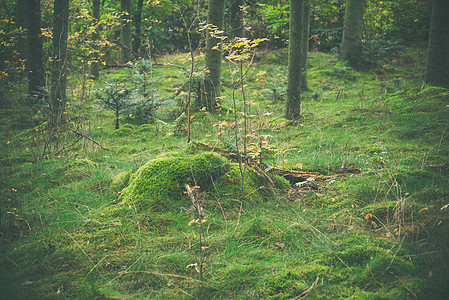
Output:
x=90 y=139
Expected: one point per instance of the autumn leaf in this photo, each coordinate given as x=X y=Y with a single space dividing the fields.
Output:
x=368 y=216
x=282 y=245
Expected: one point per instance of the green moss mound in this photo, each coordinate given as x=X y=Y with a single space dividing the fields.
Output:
x=160 y=183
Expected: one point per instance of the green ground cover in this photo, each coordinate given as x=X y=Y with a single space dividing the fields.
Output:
x=86 y=222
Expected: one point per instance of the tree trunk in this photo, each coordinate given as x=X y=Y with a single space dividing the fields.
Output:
x=95 y=65
x=137 y=25
x=126 y=31
x=293 y=105
x=117 y=118
x=36 y=75
x=351 y=44
x=22 y=18
x=305 y=44
x=58 y=73
x=236 y=19
x=437 y=69
x=213 y=57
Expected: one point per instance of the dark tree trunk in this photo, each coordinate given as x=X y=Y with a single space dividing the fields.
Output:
x=293 y=105
x=213 y=57
x=95 y=66
x=58 y=73
x=36 y=74
x=137 y=25
x=437 y=69
x=117 y=118
x=351 y=45
x=305 y=44
x=22 y=18
x=236 y=19
x=126 y=30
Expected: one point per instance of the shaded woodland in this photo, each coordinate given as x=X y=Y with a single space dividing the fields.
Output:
x=224 y=149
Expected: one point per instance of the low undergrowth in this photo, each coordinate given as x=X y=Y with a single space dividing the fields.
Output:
x=115 y=222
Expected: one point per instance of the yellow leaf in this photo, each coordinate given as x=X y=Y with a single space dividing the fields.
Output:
x=195 y=265
x=8 y=142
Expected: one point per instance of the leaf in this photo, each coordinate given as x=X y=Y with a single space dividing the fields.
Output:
x=195 y=265
x=282 y=245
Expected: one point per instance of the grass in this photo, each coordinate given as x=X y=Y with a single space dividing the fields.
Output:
x=376 y=229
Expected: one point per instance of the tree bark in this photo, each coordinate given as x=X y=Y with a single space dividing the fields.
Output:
x=95 y=65
x=213 y=57
x=293 y=105
x=22 y=18
x=58 y=73
x=236 y=19
x=305 y=44
x=126 y=31
x=35 y=64
x=351 y=44
x=437 y=69
x=137 y=25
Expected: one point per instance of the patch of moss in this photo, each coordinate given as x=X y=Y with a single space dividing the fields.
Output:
x=254 y=186
x=285 y=286
x=385 y=263
x=120 y=180
x=84 y=162
x=160 y=183
x=383 y=211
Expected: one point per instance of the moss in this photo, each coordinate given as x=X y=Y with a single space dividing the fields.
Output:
x=316 y=270
x=280 y=182
x=160 y=182
x=254 y=186
x=384 y=211
x=120 y=180
x=285 y=286
x=84 y=162
x=385 y=263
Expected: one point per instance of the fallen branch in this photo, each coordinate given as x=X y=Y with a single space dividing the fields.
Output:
x=86 y=137
x=261 y=169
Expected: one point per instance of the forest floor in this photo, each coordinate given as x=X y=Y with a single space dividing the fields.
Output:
x=374 y=226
